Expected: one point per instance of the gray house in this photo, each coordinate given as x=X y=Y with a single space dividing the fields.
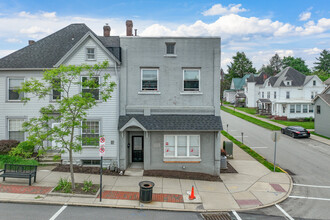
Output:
x=169 y=103
x=322 y=113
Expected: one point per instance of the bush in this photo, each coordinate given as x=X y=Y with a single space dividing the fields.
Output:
x=7 y=145
x=64 y=185
x=24 y=149
x=15 y=160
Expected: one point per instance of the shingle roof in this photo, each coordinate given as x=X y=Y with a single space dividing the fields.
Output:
x=46 y=52
x=175 y=122
x=327 y=82
x=297 y=78
x=240 y=82
x=258 y=78
x=325 y=98
x=264 y=100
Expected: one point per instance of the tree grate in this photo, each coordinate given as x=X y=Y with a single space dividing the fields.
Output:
x=217 y=216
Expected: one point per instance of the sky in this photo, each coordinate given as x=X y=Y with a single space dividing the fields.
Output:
x=299 y=28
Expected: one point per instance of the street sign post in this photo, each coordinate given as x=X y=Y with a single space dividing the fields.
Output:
x=102 y=153
x=275 y=137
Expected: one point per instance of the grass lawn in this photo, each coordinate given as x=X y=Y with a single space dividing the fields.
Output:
x=313 y=132
x=251 y=119
x=251 y=152
x=15 y=160
x=251 y=111
x=304 y=124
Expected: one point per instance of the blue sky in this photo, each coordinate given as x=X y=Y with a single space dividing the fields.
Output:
x=259 y=28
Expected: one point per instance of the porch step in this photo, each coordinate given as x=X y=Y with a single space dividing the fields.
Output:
x=48 y=158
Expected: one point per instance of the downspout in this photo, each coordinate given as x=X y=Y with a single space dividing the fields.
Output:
x=118 y=150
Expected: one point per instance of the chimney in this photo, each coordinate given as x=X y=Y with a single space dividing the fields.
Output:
x=135 y=30
x=106 y=30
x=31 y=42
x=129 y=28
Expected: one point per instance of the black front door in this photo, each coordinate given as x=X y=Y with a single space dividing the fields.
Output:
x=137 y=148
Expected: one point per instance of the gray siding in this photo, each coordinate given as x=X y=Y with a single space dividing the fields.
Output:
x=322 y=121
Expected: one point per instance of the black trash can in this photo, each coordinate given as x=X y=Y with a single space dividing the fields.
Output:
x=146 y=191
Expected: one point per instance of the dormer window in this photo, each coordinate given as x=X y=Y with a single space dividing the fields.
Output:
x=90 y=53
x=314 y=82
x=288 y=83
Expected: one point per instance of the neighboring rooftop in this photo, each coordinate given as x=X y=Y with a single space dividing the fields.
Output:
x=240 y=82
x=289 y=74
x=175 y=122
x=259 y=79
x=46 y=52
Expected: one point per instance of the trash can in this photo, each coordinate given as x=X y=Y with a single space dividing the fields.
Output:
x=228 y=147
x=146 y=191
x=223 y=162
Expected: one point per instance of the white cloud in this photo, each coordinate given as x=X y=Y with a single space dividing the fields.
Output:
x=218 y=9
x=25 y=14
x=4 y=53
x=13 y=40
x=305 y=16
x=313 y=51
x=49 y=14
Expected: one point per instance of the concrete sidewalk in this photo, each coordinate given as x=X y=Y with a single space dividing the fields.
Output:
x=254 y=186
x=314 y=137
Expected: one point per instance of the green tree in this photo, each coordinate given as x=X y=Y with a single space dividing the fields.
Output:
x=240 y=66
x=274 y=66
x=296 y=63
x=71 y=106
x=323 y=62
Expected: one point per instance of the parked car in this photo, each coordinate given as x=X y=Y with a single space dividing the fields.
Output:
x=296 y=131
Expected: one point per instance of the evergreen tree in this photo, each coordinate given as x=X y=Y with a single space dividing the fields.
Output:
x=296 y=63
x=240 y=66
x=323 y=63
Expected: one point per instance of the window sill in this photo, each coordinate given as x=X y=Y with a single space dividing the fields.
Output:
x=92 y=147
x=14 y=101
x=191 y=93
x=170 y=55
x=182 y=160
x=90 y=59
x=149 y=93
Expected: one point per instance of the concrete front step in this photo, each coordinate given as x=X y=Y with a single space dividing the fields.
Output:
x=50 y=163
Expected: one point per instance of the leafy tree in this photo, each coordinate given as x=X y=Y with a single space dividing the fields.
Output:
x=267 y=69
x=323 y=64
x=241 y=66
x=296 y=63
x=71 y=107
x=322 y=74
x=274 y=66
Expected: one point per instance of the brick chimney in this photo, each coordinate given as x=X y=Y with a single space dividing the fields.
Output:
x=106 y=30
x=129 y=28
x=31 y=42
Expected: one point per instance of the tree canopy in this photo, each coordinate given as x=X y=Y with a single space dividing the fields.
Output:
x=240 y=66
x=322 y=66
x=75 y=90
x=296 y=63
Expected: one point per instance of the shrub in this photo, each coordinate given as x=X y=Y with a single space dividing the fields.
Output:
x=64 y=185
x=7 y=145
x=87 y=186
x=24 y=149
x=15 y=160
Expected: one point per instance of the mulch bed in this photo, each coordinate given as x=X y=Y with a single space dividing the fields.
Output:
x=230 y=169
x=181 y=175
x=82 y=169
x=78 y=189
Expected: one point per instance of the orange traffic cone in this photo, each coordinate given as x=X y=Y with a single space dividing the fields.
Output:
x=192 y=194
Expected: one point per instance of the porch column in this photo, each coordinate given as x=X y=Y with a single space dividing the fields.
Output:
x=147 y=150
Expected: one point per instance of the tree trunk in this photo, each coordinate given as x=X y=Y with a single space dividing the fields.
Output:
x=71 y=170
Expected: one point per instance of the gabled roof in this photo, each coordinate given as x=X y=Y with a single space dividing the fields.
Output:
x=327 y=82
x=259 y=79
x=240 y=82
x=48 y=51
x=324 y=97
x=174 y=122
x=289 y=74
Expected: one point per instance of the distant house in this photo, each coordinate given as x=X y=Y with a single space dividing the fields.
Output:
x=252 y=88
x=235 y=87
x=290 y=94
x=322 y=112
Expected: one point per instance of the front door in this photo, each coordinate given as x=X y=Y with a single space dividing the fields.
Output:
x=137 y=148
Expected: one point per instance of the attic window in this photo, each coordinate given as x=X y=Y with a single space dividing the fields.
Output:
x=90 y=53
x=288 y=83
x=314 y=82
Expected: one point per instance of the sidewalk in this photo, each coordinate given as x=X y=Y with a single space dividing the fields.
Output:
x=314 y=137
x=254 y=186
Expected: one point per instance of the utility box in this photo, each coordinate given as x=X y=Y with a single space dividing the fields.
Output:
x=228 y=147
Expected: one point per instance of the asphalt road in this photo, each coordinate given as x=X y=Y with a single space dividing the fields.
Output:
x=307 y=159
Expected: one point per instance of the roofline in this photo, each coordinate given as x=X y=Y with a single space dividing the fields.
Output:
x=172 y=37
x=318 y=96
x=11 y=69
x=89 y=33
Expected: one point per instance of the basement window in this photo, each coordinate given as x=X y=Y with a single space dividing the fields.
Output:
x=90 y=162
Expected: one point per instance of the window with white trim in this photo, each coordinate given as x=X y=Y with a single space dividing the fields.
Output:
x=287 y=95
x=292 y=108
x=268 y=95
x=274 y=95
x=90 y=53
x=182 y=146
x=90 y=133
x=56 y=84
x=263 y=95
x=14 y=84
x=191 y=80
x=298 y=108
x=318 y=109
x=310 y=108
x=305 y=108
x=15 y=129
x=149 y=79
x=87 y=86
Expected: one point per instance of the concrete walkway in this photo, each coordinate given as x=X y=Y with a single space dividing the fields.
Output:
x=314 y=137
x=254 y=186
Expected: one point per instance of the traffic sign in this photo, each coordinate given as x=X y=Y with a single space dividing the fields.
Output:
x=102 y=140
x=102 y=151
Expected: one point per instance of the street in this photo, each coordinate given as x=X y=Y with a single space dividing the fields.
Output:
x=307 y=160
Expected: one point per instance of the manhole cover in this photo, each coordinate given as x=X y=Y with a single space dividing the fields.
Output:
x=216 y=216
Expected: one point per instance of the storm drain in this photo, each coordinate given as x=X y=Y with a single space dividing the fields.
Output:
x=216 y=216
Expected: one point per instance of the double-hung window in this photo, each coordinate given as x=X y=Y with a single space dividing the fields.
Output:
x=292 y=108
x=90 y=53
x=311 y=108
x=90 y=133
x=191 y=80
x=56 y=93
x=149 y=80
x=304 y=108
x=268 y=95
x=91 y=85
x=182 y=146
x=262 y=95
x=274 y=95
x=298 y=108
x=15 y=129
x=287 y=95
x=318 y=109
x=14 y=84
x=170 y=48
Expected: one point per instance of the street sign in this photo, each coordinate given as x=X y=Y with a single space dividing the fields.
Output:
x=275 y=136
x=102 y=146
x=102 y=140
